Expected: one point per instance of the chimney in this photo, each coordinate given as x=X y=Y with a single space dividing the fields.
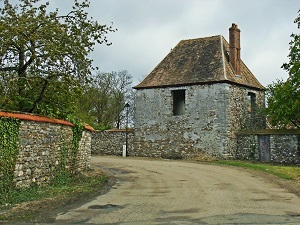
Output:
x=234 y=48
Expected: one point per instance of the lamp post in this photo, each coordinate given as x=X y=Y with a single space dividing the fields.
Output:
x=126 y=133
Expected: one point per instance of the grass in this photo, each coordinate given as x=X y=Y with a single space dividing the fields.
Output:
x=17 y=195
x=81 y=185
x=285 y=172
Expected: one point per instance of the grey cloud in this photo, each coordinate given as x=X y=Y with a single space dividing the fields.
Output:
x=148 y=29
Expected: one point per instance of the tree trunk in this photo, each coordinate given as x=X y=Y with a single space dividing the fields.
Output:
x=21 y=79
x=40 y=97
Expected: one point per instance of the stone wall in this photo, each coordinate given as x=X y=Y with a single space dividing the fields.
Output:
x=110 y=142
x=41 y=144
x=84 y=151
x=244 y=114
x=214 y=113
x=247 y=147
x=282 y=146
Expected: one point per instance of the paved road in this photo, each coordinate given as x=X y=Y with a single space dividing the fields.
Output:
x=177 y=192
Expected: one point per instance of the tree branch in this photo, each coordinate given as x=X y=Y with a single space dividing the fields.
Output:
x=41 y=95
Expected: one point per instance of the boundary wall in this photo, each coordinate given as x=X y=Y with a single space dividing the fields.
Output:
x=41 y=143
x=43 y=140
x=269 y=145
x=112 y=142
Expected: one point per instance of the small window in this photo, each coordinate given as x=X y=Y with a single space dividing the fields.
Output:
x=178 y=102
x=251 y=102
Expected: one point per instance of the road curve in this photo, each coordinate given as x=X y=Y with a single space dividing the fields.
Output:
x=149 y=191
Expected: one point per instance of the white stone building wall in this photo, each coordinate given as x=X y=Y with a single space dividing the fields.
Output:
x=213 y=115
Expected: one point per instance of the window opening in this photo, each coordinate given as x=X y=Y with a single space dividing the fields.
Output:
x=251 y=102
x=178 y=102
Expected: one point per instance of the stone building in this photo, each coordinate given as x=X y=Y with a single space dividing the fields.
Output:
x=197 y=99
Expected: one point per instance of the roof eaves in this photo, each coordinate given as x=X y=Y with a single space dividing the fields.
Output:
x=199 y=83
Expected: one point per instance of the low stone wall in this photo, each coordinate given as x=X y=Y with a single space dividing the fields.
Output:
x=278 y=146
x=247 y=147
x=283 y=146
x=111 y=142
x=42 y=143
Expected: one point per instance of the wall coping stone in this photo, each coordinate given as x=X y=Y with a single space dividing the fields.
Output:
x=37 y=118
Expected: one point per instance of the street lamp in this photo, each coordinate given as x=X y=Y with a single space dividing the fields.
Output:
x=127 y=111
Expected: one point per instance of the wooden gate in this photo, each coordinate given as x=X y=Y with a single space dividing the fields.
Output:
x=264 y=148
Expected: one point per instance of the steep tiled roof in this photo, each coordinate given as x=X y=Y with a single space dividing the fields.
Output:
x=198 y=61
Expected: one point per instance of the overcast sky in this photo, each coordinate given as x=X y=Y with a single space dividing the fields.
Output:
x=148 y=29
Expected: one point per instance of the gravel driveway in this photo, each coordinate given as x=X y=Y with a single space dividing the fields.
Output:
x=149 y=191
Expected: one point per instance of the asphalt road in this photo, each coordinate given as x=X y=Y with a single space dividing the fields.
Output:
x=151 y=191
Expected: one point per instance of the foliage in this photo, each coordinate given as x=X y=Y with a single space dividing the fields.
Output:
x=44 y=56
x=283 y=104
x=284 y=96
x=102 y=104
x=9 y=149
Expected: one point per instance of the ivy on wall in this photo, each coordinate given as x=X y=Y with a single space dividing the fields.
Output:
x=9 y=149
x=66 y=168
x=62 y=174
x=68 y=156
x=77 y=135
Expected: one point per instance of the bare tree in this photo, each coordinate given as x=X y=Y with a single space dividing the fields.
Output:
x=105 y=99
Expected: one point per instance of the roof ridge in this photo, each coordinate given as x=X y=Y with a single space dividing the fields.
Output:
x=223 y=58
x=194 y=39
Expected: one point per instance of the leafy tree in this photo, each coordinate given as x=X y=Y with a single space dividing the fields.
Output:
x=284 y=97
x=44 y=56
x=102 y=104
